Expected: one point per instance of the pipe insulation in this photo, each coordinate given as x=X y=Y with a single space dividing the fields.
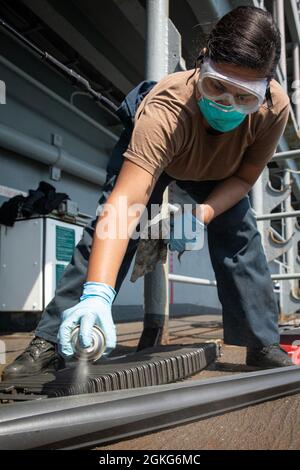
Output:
x=42 y=152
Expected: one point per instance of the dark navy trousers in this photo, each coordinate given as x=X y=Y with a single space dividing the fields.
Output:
x=245 y=289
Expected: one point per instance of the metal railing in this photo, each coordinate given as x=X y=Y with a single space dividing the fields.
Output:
x=157 y=306
x=279 y=12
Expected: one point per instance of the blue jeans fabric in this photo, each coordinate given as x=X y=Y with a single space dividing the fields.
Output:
x=245 y=290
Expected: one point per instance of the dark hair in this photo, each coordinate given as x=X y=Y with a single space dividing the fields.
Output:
x=246 y=36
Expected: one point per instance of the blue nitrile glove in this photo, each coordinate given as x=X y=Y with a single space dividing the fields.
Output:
x=94 y=308
x=186 y=232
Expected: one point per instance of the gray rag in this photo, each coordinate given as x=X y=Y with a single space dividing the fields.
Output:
x=148 y=254
x=153 y=248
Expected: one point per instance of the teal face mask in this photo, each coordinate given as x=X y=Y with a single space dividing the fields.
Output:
x=220 y=117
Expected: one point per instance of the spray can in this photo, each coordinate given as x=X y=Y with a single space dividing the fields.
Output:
x=97 y=348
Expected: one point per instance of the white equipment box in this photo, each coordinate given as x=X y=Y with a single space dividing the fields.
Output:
x=33 y=255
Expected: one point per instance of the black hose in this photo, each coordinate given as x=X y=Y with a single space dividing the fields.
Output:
x=71 y=74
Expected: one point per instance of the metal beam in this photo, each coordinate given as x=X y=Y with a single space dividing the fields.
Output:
x=283 y=277
x=157 y=65
x=208 y=12
x=296 y=81
x=36 y=149
x=292 y=16
x=135 y=14
x=176 y=61
x=156 y=286
x=281 y=156
x=107 y=27
x=73 y=37
x=207 y=282
x=278 y=215
x=280 y=17
x=54 y=96
x=289 y=231
x=291 y=164
x=191 y=280
x=87 y=421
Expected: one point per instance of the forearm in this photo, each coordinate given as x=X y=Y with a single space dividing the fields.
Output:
x=110 y=242
x=117 y=222
x=224 y=196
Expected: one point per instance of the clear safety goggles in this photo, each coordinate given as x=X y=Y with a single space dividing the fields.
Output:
x=247 y=96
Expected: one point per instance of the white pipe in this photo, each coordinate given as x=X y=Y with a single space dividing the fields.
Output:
x=208 y=283
x=42 y=152
x=278 y=215
x=191 y=280
x=157 y=57
x=156 y=287
x=289 y=224
x=286 y=154
x=296 y=71
x=282 y=277
x=291 y=164
x=280 y=16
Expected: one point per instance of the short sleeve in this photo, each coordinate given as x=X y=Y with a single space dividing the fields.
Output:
x=157 y=137
x=264 y=147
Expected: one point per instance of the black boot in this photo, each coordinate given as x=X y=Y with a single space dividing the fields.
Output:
x=150 y=338
x=39 y=356
x=268 y=357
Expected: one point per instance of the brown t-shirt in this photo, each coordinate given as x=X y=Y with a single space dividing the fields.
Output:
x=169 y=133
